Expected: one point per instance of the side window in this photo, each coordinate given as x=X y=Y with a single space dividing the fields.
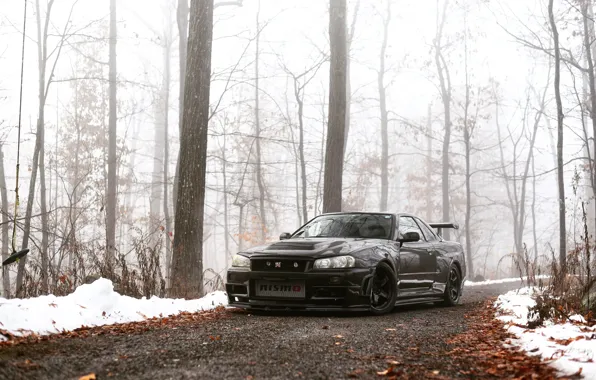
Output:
x=428 y=232
x=406 y=224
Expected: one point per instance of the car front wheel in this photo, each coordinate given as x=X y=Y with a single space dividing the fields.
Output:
x=384 y=290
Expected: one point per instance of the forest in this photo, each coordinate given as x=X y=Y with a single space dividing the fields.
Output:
x=155 y=141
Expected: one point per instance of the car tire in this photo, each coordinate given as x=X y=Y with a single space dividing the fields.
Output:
x=452 y=294
x=383 y=290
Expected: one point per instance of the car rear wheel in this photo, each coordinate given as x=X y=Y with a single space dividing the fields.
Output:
x=453 y=287
x=384 y=290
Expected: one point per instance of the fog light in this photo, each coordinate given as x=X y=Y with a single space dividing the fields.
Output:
x=334 y=280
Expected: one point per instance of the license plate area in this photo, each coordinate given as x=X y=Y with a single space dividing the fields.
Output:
x=280 y=289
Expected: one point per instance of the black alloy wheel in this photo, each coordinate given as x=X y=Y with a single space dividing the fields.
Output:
x=384 y=290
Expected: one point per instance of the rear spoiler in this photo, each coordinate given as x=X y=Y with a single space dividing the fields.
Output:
x=439 y=226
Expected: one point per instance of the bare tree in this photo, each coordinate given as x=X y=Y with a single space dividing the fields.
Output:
x=383 y=109
x=300 y=81
x=349 y=42
x=560 y=174
x=332 y=193
x=258 y=155
x=182 y=21
x=38 y=160
x=187 y=260
x=111 y=196
x=5 y=221
x=445 y=90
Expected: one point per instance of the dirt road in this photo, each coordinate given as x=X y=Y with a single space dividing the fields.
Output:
x=265 y=346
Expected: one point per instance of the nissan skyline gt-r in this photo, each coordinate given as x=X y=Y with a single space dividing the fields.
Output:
x=350 y=261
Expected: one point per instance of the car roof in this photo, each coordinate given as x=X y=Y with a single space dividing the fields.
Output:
x=370 y=212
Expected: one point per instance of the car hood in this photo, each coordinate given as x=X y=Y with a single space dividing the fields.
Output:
x=314 y=247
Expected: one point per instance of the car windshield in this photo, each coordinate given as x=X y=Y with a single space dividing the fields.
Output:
x=367 y=226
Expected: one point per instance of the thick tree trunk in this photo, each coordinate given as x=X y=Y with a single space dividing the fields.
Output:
x=383 y=109
x=187 y=269
x=332 y=193
x=112 y=130
x=5 y=221
x=182 y=21
x=560 y=174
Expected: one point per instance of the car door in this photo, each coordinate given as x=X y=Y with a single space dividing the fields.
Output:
x=416 y=267
x=435 y=259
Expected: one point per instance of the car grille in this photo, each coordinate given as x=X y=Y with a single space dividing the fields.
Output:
x=278 y=265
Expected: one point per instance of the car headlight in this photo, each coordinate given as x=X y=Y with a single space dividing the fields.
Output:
x=335 y=262
x=240 y=261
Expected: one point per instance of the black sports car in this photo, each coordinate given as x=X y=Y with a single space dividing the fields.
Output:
x=350 y=261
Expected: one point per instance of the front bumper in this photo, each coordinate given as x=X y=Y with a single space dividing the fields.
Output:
x=346 y=289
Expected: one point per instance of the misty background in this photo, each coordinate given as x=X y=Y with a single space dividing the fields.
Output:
x=501 y=101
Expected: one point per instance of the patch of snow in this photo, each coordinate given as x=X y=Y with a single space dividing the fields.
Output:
x=567 y=347
x=501 y=281
x=95 y=304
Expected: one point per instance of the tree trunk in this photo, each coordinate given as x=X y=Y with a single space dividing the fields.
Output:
x=300 y=101
x=533 y=210
x=5 y=221
x=45 y=228
x=259 y=172
x=349 y=41
x=332 y=193
x=560 y=174
x=445 y=86
x=224 y=170
x=467 y=225
x=166 y=156
x=429 y=165
x=383 y=109
x=112 y=130
x=187 y=270
x=42 y=54
x=182 y=21
x=322 y=157
x=588 y=35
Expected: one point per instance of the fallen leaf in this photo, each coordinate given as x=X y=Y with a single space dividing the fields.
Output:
x=356 y=373
x=90 y=376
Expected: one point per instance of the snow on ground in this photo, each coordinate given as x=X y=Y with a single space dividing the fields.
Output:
x=568 y=347
x=89 y=305
x=501 y=281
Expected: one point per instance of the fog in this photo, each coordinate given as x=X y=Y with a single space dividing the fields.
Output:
x=496 y=57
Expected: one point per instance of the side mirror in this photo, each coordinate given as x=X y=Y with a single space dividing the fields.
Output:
x=410 y=237
x=285 y=235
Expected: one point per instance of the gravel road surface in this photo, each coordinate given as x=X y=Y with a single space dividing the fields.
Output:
x=263 y=346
